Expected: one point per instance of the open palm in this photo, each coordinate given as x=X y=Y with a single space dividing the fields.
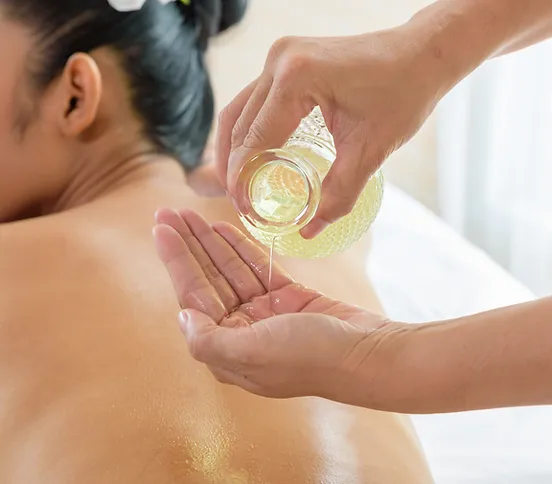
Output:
x=289 y=342
x=220 y=272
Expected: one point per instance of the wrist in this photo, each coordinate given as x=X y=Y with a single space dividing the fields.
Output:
x=430 y=375
x=493 y=359
x=414 y=368
x=377 y=382
x=454 y=37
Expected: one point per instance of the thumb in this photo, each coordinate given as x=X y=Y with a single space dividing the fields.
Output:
x=198 y=329
x=342 y=185
x=214 y=345
x=195 y=324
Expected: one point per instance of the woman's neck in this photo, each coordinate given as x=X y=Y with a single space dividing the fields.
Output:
x=93 y=179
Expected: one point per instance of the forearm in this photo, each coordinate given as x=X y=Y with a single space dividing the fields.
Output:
x=500 y=358
x=459 y=35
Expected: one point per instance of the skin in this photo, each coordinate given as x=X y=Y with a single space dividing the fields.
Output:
x=295 y=341
x=96 y=384
x=375 y=90
x=222 y=279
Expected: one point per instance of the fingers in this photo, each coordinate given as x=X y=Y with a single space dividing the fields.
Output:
x=250 y=112
x=241 y=129
x=189 y=236
x=224 y=350
x=237 y=274
x=342 y=185
x=274 y=122
x=226 y=121
x=192 y=288
x=265 y=113
x=256 y=259
x=214 y=345
x=293 y=298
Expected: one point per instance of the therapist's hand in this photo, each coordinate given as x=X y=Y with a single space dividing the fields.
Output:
x=305 y=344
x=375 y=91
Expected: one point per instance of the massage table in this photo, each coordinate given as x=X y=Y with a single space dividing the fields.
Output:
x=423 y=270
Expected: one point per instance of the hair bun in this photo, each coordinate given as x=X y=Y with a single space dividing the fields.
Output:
x=232 y=11
x=213 y=16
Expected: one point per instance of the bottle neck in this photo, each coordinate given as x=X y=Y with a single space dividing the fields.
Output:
x=278 y=191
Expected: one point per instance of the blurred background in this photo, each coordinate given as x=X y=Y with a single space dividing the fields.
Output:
x=483 y=160
x=466 y=223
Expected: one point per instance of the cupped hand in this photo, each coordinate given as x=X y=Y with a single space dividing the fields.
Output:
x=291 y=341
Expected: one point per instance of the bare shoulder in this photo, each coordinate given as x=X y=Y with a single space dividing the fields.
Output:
x=76 y=319
x=29 y=262
x=53 y=265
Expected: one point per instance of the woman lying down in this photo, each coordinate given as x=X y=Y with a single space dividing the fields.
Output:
x=103 y=118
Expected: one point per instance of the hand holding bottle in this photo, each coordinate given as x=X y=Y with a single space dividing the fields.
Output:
x=375 y=91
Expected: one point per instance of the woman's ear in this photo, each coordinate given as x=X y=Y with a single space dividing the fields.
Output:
x=79 y=94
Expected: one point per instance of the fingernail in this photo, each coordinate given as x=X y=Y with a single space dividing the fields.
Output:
x=183 y=319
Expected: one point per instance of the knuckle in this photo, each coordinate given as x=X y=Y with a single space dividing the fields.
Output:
x=186 y=298
x=339 y=208
x=201 y=349
x=237 y=134
x=213 y=275
x=197 y=351
x=340 y=201
x=280 y=46
x=255 y=136
x=232 y=265
x=292 y=66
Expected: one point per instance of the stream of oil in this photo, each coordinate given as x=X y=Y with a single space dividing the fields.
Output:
x=270 y=263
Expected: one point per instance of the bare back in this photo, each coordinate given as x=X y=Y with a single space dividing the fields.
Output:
x=96 y=384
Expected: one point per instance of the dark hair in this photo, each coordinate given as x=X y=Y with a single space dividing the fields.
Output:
x=162 y=51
